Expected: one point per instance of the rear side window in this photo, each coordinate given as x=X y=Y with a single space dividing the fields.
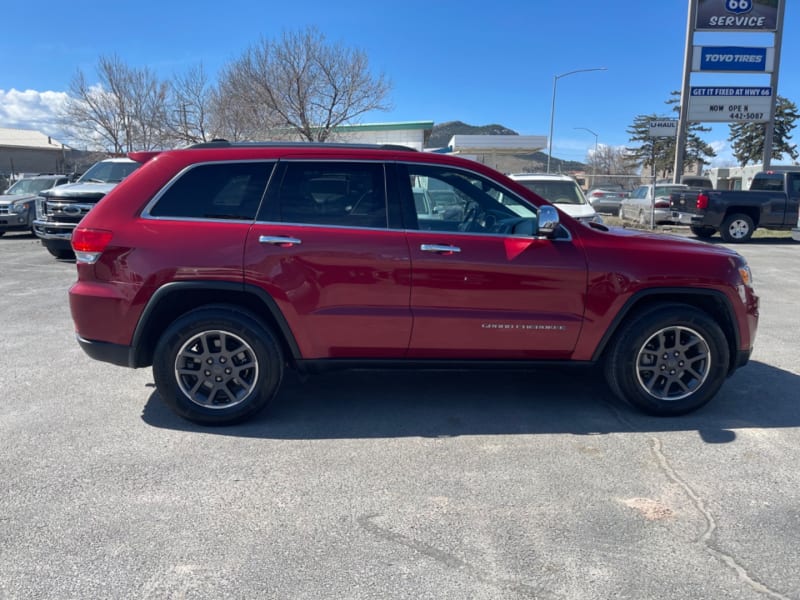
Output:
x=215 y=191
x=339 y=194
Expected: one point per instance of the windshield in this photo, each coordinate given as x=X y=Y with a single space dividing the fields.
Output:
x=108 y=172
x=30 y=186
x=557 y=192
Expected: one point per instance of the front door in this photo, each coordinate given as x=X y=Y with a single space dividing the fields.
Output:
x=482 y=286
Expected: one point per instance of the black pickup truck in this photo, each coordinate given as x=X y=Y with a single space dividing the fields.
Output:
x=771 y=203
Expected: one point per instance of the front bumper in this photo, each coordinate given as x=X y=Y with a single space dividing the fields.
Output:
x=796 y=234
x=50 y=230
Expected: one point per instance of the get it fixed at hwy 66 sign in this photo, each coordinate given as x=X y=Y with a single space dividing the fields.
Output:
x=730 y=104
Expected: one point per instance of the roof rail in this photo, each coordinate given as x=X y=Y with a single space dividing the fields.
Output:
x=222 y=143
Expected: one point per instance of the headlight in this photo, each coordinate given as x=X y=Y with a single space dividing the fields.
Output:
x=18 y=208
x=746 y=275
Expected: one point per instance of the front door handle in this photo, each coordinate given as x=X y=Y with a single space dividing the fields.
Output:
x=440 y=248
x=278 y=240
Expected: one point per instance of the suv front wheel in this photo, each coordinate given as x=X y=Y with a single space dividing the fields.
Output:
x=217 y=365
x=668 y=360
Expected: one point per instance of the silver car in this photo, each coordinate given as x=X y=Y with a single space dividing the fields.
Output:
x=642 y=204
x=606 y=201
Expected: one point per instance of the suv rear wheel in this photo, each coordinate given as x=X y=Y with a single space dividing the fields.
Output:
x=668 y=360
x=217 y=365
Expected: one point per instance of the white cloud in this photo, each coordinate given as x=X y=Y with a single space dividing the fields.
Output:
x=33 y=110
x=724 y=157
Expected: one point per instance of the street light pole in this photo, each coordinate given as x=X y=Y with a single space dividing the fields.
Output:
x=553 y=108
x=594 y=162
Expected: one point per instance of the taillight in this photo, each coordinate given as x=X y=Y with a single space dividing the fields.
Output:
x=89 y=244
x=702 y=201
x=662 y=203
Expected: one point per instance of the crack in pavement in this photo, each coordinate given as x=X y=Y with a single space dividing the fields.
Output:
x=707 y=538
x=445 y=558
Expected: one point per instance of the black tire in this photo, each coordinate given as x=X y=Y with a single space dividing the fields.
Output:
x=668 y=360
x=61 y=253
x=737 y=228
x=242 y=359
x=59 y=248
x=703 y=232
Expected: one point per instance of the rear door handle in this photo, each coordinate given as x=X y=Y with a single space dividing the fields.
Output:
x=440 y=248
x=277 y=240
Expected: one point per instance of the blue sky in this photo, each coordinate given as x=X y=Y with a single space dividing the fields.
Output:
x=477 y=62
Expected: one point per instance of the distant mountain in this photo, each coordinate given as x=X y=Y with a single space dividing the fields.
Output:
x=442 y=132
x=532 y=162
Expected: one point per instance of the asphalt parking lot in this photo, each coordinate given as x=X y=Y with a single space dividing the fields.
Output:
x=479 y=485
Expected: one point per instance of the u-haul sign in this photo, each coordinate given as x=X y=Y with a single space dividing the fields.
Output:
x=663 y=128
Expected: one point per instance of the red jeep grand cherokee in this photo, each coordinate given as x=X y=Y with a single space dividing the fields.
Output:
x=222 y=264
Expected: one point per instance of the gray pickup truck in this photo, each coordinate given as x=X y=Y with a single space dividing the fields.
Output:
x=771 y=203
x=60 y=209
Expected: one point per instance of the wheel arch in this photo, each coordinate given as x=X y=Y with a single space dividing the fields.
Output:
x=751 y=211
x=173 y=300
x=715 y=304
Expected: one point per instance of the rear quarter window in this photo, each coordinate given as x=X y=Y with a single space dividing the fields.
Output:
x=215 y=191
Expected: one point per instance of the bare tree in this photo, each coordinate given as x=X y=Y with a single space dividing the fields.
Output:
x=238 y=109
x=299 y=85
x=123 y=111
x=188 y=116
x=611 y=164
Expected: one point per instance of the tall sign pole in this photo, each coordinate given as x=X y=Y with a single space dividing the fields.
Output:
x=769 y=127
x=683 y=122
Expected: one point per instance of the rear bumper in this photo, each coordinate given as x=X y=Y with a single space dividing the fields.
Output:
x=682 y=218
x=115 y=354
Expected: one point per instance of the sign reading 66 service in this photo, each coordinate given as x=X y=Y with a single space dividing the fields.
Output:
x=737 y=15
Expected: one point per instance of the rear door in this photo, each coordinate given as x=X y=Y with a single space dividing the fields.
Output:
x=482 y=286
x=323 y=249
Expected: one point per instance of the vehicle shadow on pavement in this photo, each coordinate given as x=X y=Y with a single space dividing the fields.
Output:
x=373 y=404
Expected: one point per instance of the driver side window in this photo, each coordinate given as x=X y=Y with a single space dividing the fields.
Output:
x=455 y=200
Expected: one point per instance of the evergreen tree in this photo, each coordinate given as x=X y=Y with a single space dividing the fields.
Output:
x=748 y=138
x=662 y=150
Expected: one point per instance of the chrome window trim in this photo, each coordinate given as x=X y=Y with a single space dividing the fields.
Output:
x=145 y=214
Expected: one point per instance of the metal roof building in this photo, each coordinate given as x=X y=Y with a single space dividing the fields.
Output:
x=30 y=151
x=413 y=134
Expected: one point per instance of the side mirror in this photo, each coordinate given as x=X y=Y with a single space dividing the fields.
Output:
x=548 y=220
